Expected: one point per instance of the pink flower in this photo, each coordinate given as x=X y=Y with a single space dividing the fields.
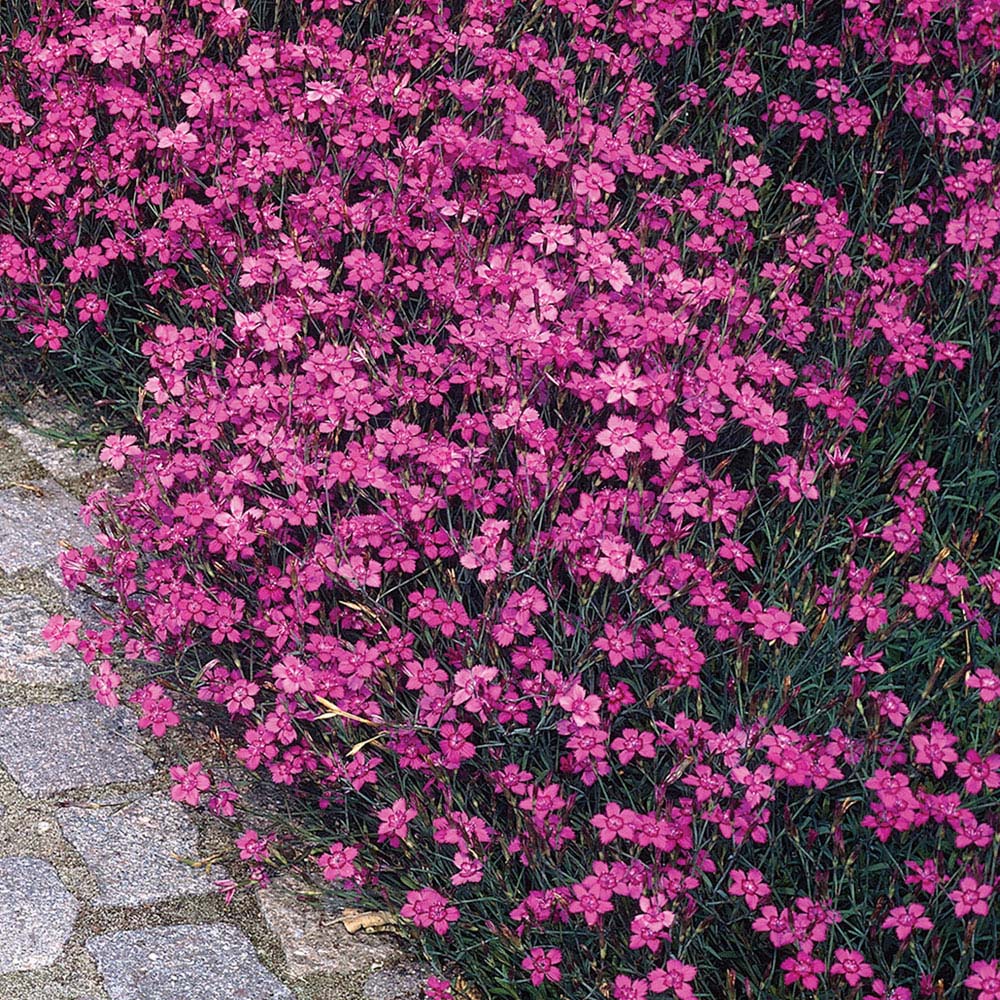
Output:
x=395 y=819
x=795 y=482
x=978 y=772
x=970 y=897
x=773 y=623
x=591 y=900
x=619 y=437
x=986 y=682
x=750 y=885
x=925 y=875
x=428 y=908
x=592 y=181
x=853 y=116
x=118 y=449
x=627 y=988
x=543 y=964
x=91 y=307
x=438 y=989
x=103 y=684
x=803 y=968
x=364 y=270
x=58 y=632
x=907 y=919
x=851 y=965
x=157 y=710
x=937 y=749
x=190 y=782
x=675 y=976
x=910 y=217
x=890 y=706
x=254 y=847
x=985 y=978
x=337 y=862
x=614 y=822
x=617 y=559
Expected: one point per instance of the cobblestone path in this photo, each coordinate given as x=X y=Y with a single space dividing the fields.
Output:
x=105 y=889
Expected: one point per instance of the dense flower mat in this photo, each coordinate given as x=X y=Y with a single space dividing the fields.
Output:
x=564 y=460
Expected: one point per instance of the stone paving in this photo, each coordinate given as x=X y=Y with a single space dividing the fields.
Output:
x=105 y=888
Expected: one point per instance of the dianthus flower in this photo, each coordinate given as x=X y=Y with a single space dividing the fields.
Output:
x=118 y=450
x=675 y=976
x=428 y=908
x=773 y=623
x=803 y=968
x=978 y=772
x=925 y=875
x=910 y=217
x=971 y=897
x=394 y=822
x=543 y=964
x=750 y=885
x=627 y=988
x=851 y=965
x=254 y=847
x=337 y=862
x=985 y=978
x=986 y=682
x=438 y=989
x=936 y=749
x=907 y=919
x=190 y=782
x=58 y=632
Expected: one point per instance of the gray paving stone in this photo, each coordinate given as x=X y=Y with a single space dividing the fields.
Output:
x=35 y=519
x=79 y=744
x=394 y=984
x=36 y=914
x=58 y=460
x=133 y=852
x=315 y=941
x=183 y=962
x=25 y=656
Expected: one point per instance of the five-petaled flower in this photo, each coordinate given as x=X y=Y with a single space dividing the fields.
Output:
x=428 y=908
x=904 y=920
x=543 y=964
x=189 y=783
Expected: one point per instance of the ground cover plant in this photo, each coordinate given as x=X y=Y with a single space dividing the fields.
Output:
x=565 y=459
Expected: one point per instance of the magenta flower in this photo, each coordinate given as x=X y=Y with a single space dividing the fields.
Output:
x=675 y=976
x=157 y=709
x=394 y=822
x=189 y=783
x=58 y=632
x=254 y=847
x=118 y=449
x=773 y=623
x=364 y=270
x=750 y=885
x=337 y=862
x=907 y=919
x=543 y=964
x=438 y=989
x=936 y=749
x=985 y=978
x=925 y=875
x=428 y=908
x=851 y=965
x=971 y=897
x=985 y=681
x=803 y=968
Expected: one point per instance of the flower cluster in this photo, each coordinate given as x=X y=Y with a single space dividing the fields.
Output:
x=540 y=472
